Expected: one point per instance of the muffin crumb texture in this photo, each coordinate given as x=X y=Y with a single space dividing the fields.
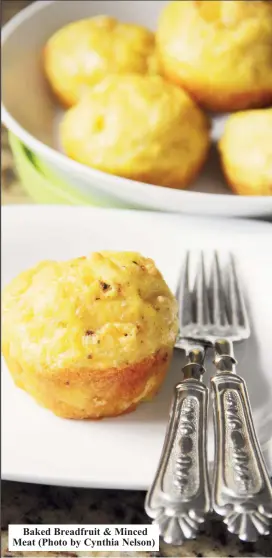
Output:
x=92 y=336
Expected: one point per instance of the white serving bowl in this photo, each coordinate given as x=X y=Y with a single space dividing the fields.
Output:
x=30 y=113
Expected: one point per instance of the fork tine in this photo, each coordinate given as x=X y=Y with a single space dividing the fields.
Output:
x=218 y=307
x=200 y=294
x=237 y=308
x=185 y=306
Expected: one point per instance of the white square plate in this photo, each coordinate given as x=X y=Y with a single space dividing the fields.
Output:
x=123 y=452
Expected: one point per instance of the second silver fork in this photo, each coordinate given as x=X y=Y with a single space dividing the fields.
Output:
x=241 y=490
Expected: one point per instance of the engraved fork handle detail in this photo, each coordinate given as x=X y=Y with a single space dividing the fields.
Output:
x=241 y=488
x=179 y=497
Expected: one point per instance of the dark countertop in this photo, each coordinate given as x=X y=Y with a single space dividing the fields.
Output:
x=26 y=503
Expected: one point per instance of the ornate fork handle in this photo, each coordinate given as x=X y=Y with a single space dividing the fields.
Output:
x=241 y=488
x=179 y=497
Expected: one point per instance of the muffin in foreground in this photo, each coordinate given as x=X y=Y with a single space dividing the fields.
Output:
x=82 y=53
x=141 y=128
x=221 y=52
x=90 y=337
x=246 y=152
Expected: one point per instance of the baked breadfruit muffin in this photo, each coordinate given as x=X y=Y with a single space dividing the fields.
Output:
x=142 y=128
x=82 y=53
x=221 y=52
x=246 y=152
x=90 y=337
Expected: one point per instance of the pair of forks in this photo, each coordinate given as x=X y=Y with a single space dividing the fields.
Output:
x=210 y=315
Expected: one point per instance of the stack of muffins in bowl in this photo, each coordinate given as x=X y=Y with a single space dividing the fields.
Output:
x=138 y=103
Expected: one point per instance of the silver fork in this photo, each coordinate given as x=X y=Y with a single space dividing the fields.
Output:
x=241 y=490
x=179 y=497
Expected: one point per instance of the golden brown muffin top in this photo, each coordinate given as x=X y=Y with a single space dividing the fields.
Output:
x=246 y=149
x=231 y=13
x=251 y=129
x=136 y=126
x=222 y=14
x=106 y=310
x=223 y=38
x=85 y=51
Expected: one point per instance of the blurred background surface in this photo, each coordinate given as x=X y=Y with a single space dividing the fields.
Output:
x=11 y=189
